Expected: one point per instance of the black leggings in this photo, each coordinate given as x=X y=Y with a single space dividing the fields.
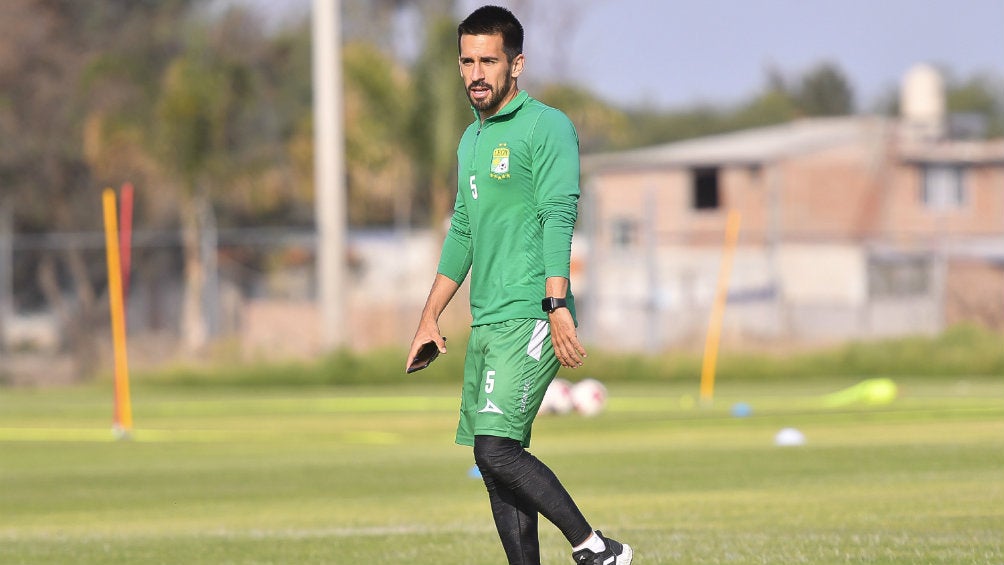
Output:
x=519 y=487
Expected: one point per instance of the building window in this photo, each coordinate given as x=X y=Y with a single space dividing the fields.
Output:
x=624 y=232
x=943 y=186
x=898 y=276
x=705 y=189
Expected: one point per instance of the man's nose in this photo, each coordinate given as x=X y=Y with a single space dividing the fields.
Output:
x=477 y=72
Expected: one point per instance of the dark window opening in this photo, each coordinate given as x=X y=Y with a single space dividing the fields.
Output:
x=706 y=193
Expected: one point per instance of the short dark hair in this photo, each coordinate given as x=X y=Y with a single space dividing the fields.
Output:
x=492 y=20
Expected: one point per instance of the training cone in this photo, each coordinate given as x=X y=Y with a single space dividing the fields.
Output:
x=789 y=437
x=869 y=392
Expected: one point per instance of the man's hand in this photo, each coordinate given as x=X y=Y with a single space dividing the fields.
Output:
x=440 y=295
x=564 y=339
x=426 y=333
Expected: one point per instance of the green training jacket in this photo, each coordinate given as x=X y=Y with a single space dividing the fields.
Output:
x=517 y=198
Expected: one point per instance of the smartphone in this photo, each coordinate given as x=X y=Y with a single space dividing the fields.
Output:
x=425 y=356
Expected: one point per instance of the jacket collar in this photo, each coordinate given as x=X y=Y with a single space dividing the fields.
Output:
x=509 y=108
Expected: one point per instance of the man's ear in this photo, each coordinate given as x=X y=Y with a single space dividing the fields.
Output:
x=517 y=66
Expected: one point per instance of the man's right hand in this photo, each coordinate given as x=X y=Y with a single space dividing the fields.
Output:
x=425 y=334
x=443 y=289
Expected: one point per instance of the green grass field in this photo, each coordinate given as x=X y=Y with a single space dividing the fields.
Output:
x=357 y=475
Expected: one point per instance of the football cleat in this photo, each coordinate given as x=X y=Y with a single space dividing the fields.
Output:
x=616 y=553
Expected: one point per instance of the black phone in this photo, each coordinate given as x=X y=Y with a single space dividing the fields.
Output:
x=425 y=356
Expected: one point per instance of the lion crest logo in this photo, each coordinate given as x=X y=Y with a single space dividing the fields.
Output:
x=500 y=162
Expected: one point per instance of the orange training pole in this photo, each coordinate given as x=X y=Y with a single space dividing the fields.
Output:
x=718 y=309
x=125 y=238
x=123 y=409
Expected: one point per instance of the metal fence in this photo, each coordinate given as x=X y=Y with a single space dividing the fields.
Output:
x=649 y=289
x=260 y=292
x=258 y=300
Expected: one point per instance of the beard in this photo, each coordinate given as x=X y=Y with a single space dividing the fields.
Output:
x=493 y=103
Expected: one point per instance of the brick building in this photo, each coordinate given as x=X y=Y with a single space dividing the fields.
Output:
x=850 y=227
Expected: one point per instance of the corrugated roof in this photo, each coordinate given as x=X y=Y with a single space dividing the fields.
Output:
x=752 y=146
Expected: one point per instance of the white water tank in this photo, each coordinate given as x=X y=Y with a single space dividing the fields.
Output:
x=922 y=103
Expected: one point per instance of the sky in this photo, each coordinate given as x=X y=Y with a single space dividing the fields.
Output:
x=676 y=53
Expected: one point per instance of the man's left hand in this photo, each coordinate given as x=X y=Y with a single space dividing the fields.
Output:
x=566 y=344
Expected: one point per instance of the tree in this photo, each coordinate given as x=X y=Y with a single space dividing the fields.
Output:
x=202 y=137
x=46 y=50
x=981 y=97
x=599 y=126
x=825 y=91
x=440 y=113
x=378 y=107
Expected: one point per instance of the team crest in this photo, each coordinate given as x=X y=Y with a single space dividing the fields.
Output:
x=500 y=162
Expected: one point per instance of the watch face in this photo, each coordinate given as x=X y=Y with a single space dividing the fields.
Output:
x=551 y=304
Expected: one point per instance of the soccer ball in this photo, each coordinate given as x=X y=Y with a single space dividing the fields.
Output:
x=589 y=397
x=557 y=398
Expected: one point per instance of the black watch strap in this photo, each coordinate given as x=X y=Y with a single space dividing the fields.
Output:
x=550 y=304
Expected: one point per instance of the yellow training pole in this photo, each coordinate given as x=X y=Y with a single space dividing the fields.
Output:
x=123 y=409
x=718 y=309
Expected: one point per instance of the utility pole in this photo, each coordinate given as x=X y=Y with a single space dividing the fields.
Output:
x=329 y=172
x=6 y=272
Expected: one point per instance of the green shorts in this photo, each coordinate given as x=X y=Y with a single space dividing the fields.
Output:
x=506 y=373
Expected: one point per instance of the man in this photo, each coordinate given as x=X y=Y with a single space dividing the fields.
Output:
x=518 y=173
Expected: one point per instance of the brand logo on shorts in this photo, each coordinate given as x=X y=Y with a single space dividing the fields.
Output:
x=490 y=407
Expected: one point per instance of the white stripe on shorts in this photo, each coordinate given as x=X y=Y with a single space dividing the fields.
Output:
x=537 y=339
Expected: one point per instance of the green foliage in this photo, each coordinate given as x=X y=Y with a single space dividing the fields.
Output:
x=187 y=116
x=651 y=127
x=821 y=91
x=441 y=111
x=960 y=351
x=204 y=123
x=771 y=107
x=981 y=96
x=212 y=89
x=600 y=126
x=343 y=367
x=825 y=91
x=161 y=91
x=378 y=105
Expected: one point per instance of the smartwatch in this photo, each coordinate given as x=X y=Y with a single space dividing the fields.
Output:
x=550 y=304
